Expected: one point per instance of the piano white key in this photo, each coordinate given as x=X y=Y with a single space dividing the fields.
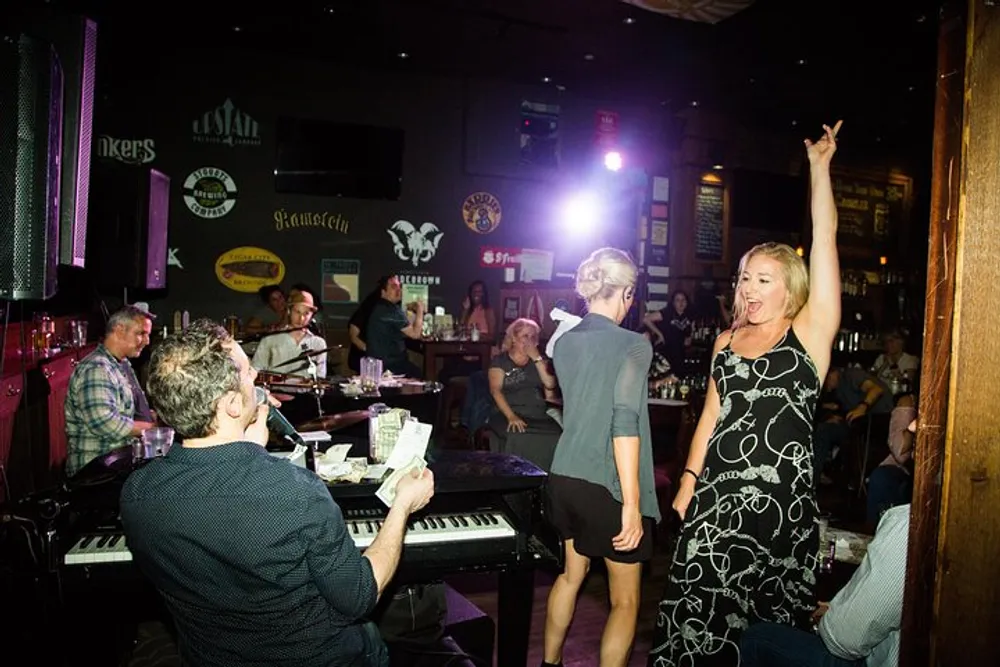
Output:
x=440 y=528
x=94 y=552
x=432 y=529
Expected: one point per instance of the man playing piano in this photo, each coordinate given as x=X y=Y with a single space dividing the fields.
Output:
x=250 y=553
x=105 y=406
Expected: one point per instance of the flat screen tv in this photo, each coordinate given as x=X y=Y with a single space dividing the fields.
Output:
x=327 y=159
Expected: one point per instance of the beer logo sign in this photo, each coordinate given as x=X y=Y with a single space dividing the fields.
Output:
x=247 y=269
x=210 y=192
x=129 y=151
x=482 y=212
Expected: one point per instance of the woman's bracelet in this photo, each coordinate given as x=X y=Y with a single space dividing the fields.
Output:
x=688 y=471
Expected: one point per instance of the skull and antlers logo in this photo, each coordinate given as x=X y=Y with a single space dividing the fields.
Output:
x=415 y=245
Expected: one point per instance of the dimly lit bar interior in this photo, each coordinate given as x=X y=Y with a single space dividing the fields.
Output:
x=499 y=332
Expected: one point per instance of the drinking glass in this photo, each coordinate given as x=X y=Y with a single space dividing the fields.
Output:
x=78 y=333
x=157 y=441
x=378 y=441
x=371 y=373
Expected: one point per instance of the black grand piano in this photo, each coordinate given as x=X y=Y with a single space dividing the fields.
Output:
x=486 y=516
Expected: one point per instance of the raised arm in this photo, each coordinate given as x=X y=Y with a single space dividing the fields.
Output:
x=819 y=320
x=415 y=329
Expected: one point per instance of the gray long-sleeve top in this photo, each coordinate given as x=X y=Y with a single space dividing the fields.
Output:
x=602 y=370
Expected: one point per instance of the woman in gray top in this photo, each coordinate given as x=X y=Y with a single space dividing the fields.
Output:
x=601 y=487
x=520 y=423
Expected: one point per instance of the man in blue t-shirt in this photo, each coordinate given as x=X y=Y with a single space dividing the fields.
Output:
x=388 y=329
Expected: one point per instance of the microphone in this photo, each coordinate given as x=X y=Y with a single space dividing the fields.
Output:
x=276 y=422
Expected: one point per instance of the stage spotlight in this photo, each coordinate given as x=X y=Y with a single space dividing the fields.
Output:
x=581 y=212
x=613 y=160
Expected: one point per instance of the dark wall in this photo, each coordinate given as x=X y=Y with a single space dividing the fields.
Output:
x=461 y=138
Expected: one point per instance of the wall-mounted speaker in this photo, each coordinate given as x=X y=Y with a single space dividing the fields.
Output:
x=75 y=39
x=129 y=210
x=31 y=104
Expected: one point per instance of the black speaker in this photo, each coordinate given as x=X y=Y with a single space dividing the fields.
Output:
x=31 y=103
x=75 y=40
x=129 y=209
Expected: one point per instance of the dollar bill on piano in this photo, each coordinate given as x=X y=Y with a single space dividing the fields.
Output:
x=387 y=492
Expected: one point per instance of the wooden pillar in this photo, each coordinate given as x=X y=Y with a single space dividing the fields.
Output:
x=953 y=589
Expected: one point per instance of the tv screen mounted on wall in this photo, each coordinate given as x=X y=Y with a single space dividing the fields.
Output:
x=316 y=157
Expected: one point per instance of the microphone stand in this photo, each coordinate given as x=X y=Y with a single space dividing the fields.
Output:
x=317 y=389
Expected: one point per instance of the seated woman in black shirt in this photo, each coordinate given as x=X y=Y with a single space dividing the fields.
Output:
x=520 y=424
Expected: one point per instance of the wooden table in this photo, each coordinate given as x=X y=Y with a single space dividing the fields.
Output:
x=435 y=349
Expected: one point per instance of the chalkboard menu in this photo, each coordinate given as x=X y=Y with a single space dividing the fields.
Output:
x=709 y=209
x=868 y=210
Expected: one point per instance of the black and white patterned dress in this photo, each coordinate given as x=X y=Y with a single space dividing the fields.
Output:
x=748 y=550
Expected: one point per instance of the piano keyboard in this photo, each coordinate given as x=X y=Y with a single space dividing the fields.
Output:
x=99 y=548
x=431 y=529
x=436 y=528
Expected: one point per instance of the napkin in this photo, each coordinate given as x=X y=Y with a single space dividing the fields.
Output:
x=566 y=322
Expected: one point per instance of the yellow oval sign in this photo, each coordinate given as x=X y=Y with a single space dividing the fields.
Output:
x=482 y=212
x=247 y=269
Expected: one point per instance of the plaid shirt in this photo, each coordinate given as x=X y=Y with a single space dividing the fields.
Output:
x=99 y=408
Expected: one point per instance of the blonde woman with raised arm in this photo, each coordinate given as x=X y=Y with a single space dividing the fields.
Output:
x=748 y=549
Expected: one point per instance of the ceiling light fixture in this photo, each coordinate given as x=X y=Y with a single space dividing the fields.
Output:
x=628 y=20
x=546 y=79
x=403 y=55
x=236 y=28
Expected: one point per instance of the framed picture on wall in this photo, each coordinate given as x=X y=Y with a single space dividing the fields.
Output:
x=511 y=308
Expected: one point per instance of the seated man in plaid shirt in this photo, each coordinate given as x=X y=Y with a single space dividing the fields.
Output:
x=105 y=406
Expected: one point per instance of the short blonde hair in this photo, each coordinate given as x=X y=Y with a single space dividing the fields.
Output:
x=793 y=273
x=515 y=328
x=606 y=271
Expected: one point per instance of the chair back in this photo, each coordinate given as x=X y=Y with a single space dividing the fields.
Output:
x=11 y=388
x=57 y=373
